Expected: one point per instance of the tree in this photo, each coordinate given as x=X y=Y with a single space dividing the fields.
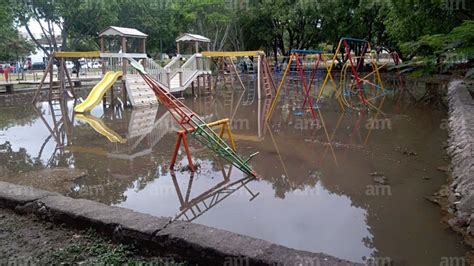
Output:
x=280 y=26
x=210 y=18
x=76 y=20
x=155 y=18
x=442 y=51
x=13 y=46
x=408 y=20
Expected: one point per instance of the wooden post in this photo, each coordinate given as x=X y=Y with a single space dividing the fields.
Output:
x=197 y=47
x=142 y=48
x=102 y=50
x=51 y=74
x=258 y=77
x=177 y=47
x=61 y=78
x=71 y=85
x=9 y=88
x=124 y=70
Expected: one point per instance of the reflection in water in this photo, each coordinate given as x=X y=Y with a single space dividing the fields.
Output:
x=315 y=173
x=191 y=209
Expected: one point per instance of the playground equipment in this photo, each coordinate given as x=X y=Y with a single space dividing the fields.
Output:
x=264 y=75
x=97 y=93
x=59 y=91
x=192 y=124
x=358 y=85
x=175 y=76
x=111 y=61
x=307 y=84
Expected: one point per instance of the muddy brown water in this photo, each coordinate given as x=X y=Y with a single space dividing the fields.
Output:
x=351 y=184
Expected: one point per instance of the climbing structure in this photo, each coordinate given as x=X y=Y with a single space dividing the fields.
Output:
x=264 y=74
x=295 y=55
x=192 y=124
x=354 y=54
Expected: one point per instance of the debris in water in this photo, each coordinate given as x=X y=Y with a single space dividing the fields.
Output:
x=379 y=178
x=443 y=169
x=410 y=153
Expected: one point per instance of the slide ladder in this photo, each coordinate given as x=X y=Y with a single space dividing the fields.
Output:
x=267 y=80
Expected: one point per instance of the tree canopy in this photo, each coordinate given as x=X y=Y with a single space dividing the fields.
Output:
x=12 y=44
x=275 y=26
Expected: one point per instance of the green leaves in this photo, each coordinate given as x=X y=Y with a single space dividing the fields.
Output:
x=445 y=50
x=12 y=44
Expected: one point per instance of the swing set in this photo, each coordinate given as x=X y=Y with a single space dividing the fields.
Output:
x=354 y=83
x=307 y=81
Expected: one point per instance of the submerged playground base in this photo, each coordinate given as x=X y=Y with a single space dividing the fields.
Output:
x=186 y=241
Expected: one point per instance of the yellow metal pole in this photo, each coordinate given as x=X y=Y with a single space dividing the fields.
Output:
x=218 y=122
x=277 y=95
x=231 y=137
x=327 y=137
x=225 y=127
x=337 y=92
x=330 y=69
x=221 y=132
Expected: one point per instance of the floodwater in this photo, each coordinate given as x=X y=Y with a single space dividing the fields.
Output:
x=352 y=185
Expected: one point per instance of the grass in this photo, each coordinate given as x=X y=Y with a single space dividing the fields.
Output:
x=91 y=249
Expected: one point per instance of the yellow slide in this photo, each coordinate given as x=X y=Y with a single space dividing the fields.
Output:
x=101 y=128
x=96 y=94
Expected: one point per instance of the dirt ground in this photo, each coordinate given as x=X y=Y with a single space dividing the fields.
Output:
x=26 y=240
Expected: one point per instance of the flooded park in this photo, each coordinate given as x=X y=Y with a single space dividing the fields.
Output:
x=237 y=132
x=350 y=184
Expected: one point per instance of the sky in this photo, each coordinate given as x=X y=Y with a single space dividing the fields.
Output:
x=36 y=28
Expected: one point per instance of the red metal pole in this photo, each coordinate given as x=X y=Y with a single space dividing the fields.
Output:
x=188 y=153
x=354 y=72
x=176 y=149
x=312 y=77
x=298 y=65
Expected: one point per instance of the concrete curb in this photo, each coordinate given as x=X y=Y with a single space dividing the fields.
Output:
x=192 y=242
x=461 y=150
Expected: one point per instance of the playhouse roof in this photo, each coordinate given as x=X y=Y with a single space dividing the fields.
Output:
x=186 y=37
x=124 y=32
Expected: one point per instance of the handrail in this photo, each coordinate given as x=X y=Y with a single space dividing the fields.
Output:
x=194 y=65
x=189 y=68
x=174 y=66
x=156 y=71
